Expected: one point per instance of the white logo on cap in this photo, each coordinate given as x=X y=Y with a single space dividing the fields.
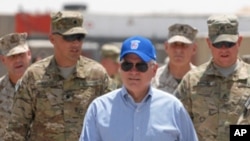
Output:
x=134 y=44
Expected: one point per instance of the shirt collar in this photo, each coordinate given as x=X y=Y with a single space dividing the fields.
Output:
x=126 y=95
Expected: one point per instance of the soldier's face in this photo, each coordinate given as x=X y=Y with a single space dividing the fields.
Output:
x=180 y=53
x=225 y=56
x=110 y=65
x=17 y=64
x=67 y=52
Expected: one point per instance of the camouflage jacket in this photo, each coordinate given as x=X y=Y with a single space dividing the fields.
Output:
x=48 y=107
x=214 y=102
x=165 y=81
x=6 y=100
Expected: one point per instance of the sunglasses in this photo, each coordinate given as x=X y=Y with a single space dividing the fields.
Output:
x=224 y=44
x=71 y=38
x=141 y=66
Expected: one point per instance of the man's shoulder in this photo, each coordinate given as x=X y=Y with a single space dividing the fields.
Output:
x=165 y=97
x=2 y=78
x=88 y=65
x=3 y=81
x=245 y=66
x=243 y=70
x=109 y=97
x=158 y=93
x=195 y=74
x=41 y=63
x=200 y=68
x=161 y=70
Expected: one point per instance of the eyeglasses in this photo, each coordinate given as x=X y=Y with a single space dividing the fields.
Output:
x=224 y=44
x=71 y=38
x=141 y=66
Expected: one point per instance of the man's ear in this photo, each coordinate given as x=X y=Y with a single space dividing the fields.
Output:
x=51 y=38
x=239 y=41
x=166 y=46
x=194 y=48
x=209 y=43
x=155 y=67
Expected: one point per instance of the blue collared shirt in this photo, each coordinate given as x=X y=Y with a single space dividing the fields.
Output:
x=116 y=117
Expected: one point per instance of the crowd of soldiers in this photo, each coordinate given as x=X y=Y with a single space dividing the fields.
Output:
x=125 y=96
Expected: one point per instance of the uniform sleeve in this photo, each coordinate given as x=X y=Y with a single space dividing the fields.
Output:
x=21 y=117
x=90 y=130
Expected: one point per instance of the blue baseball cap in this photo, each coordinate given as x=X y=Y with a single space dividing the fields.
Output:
x=140 y=46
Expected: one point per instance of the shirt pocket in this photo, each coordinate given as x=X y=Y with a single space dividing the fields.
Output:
x=167 y=134
x=204 y=98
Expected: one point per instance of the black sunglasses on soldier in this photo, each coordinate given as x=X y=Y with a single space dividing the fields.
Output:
x=224 y=44
x=141 y=66
x=73 y=37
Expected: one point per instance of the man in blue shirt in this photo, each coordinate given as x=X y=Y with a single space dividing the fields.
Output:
x=137 y=111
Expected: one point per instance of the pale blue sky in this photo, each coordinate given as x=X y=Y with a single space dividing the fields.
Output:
x=129 y=6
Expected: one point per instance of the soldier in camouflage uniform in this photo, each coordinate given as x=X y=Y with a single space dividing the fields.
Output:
x=217 y=93
x=110 y=61
x=16 y=58
x=180 y=47
x=55 y=92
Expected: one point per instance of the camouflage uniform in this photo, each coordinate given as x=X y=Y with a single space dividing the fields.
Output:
x=6 y=101
x=10 y=44
x=112 y=51
x=55 y=106
x=214 y=101
x=163 y=80
x=49 y=107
